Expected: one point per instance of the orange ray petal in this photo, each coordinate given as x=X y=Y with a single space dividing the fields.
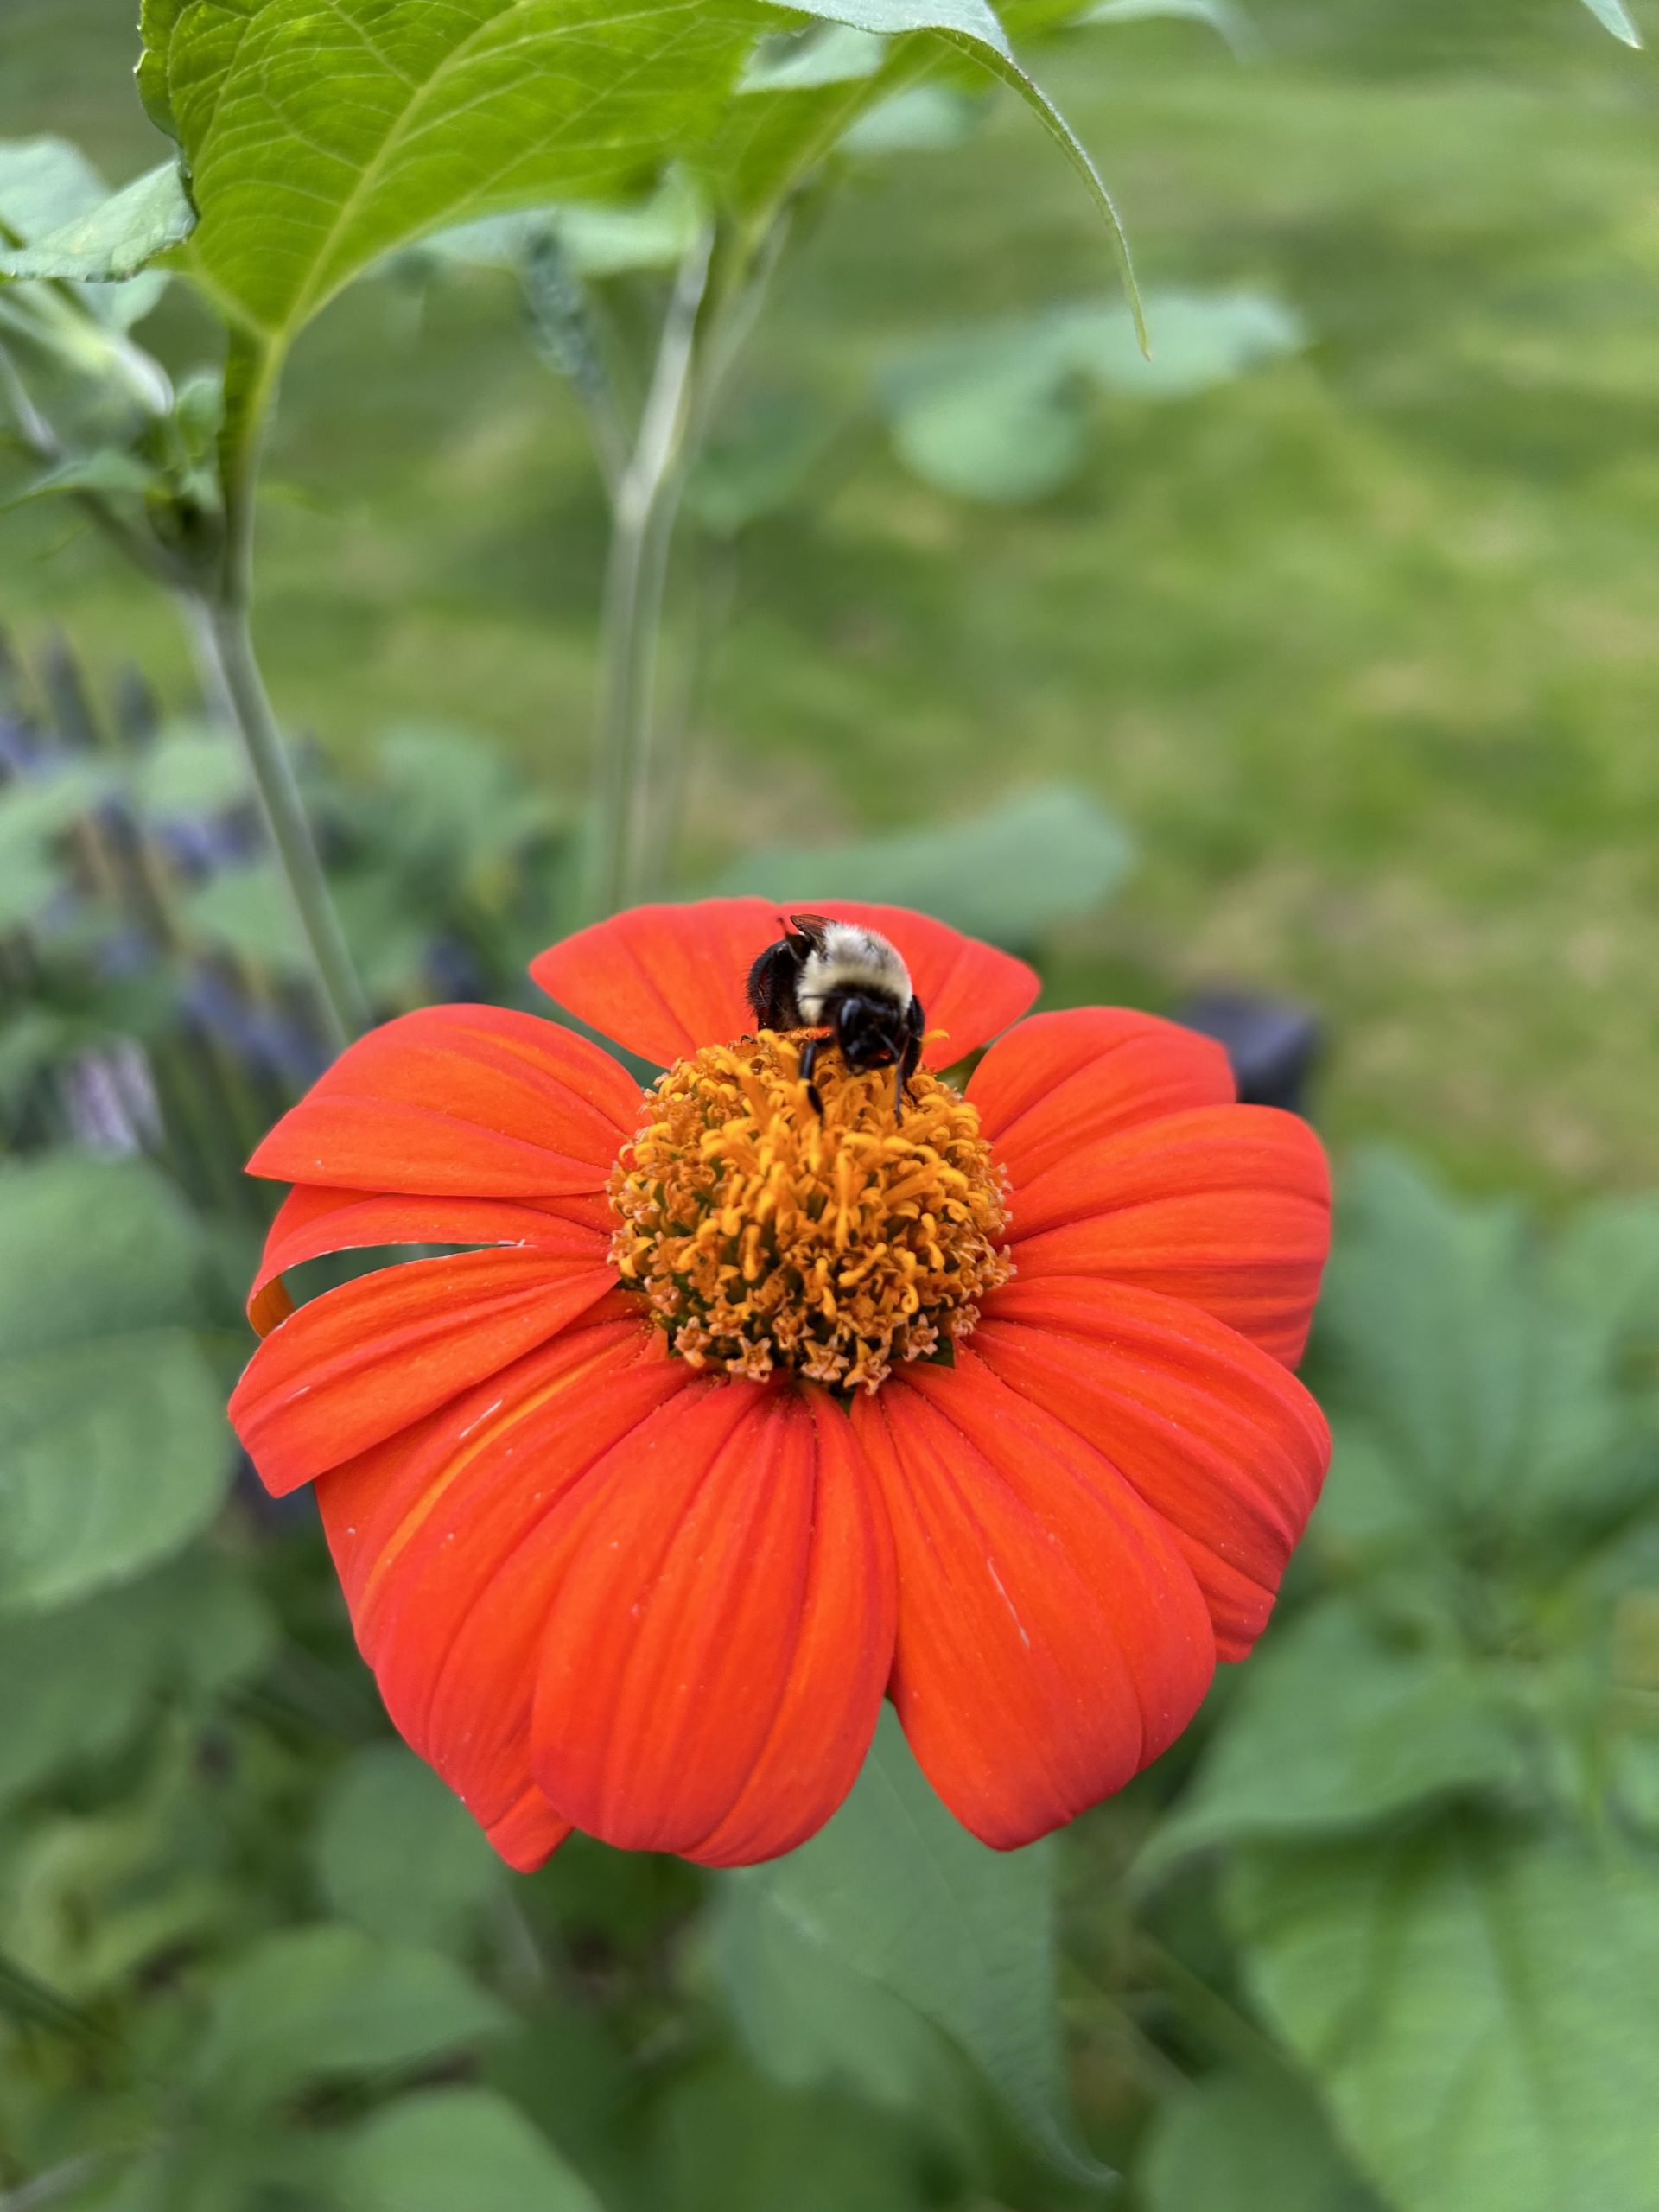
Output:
x=529 y=1833
x=362 y=1361
x=712 y=1666
x=313 y=1220
x=1227 y=1207
x=1051 y=1638
x=439 y=1536
x=837 y=1671
x=664 y=981
x=459 y=1101
x=1212 y=1432
x=1062 y=1081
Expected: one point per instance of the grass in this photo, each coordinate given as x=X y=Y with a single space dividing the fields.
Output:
x=1362 y=648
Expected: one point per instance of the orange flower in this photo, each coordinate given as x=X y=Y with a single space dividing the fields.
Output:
x=619 y=1562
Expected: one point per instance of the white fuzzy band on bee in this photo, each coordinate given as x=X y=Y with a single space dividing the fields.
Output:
x=852 y=959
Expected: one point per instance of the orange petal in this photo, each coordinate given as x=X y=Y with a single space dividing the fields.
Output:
x=713 y=1659
x=439 y=1538
x=528 y=1834
x=1063 y=1081
x=1051 y=1638
x=1227 y=1207
x=1214 y=1434
x=664 y=981
x=837 y=1671
x=313 y=1220
x=362 y=1361
x=459 y=1101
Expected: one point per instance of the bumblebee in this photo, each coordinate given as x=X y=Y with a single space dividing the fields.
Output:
x=848 y=980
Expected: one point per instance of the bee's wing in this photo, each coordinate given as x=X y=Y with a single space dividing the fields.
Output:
x=815 y=928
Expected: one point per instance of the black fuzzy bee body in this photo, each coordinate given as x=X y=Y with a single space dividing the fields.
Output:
x=848 y=980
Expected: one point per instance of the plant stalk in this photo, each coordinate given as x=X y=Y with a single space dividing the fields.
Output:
x=221 y=623
x=646 y=503
x=232 y=677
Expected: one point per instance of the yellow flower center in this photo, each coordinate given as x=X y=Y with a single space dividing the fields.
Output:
x=765 y=1235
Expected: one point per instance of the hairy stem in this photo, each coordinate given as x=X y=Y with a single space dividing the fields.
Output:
x=646 y=502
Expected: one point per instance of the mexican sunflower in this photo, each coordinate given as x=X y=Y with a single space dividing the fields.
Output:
x=722 y=1417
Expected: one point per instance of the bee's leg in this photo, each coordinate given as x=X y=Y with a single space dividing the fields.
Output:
x=809 y=1062
x=899 y=1090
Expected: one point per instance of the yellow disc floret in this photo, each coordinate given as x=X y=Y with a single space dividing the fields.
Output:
x=765 y=1235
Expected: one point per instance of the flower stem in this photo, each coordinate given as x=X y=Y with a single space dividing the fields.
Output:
x=221 y=623
x=647 y=500
x=225 y=646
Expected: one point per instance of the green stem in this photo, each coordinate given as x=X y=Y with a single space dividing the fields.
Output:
x=230 y=673
x=737 y=287
x=646 y=503
x=221 y=623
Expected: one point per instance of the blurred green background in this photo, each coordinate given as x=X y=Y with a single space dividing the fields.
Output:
x=1360 y=646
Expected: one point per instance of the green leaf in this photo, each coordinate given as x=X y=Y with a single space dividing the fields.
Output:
x=1001 y=426
x=970 y=19
x=894 y=1891
x=1239 y=2142
x=974 y=28
x=1605 y=1263
x=113 y=1447
x=1199 y=339
x=320 y=141
x=397 y=1854
x=193 y=770
x=44 y=184
x=735 y=2143
x=320 y=2004
x=1495 y=1402
x=1335 y=1731
x=600 y=241
x=840 y=55
x=35 y=812
x=1480 y=2010
x=1227 y=22
x=1000 y=414
x=93 y=1900
x=924 y=119
x=248 y=911
x=1011 y=874
x=1616 y=16
x=759 y=464
x=114 y=240
x=78 y=1679
x=448 y=809
x=218 y=2165
x=447 y=2149
x=1369 y=1511
x=774 y=138
x=48 y=189
x=595 y=240
x=808 y=2020
x=35 y=1038
x=111 y=473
